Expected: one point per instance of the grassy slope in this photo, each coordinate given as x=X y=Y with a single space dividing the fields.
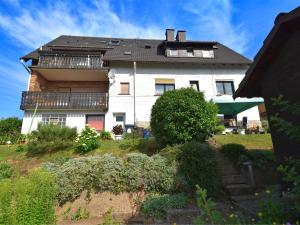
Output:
x=253 y=141
x=25 y=162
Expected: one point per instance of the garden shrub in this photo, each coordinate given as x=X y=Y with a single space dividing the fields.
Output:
x=234 y=152
x=118 y=129
x=219 y=129
x=28 y=200
x=108 y=219
x=105 y=135
x=198 y=164
x=87 y=140
x=208 y=206
x=156 y=206
x=6 y=170
x=153 y=174
x=51 y=137
x=182 y=115
x=130 y=141
x=171 y=153
x=238 y=154
x=21 y=148
x=109 y=173
x=12 y=139
x=10 y=130
x=260 y=158
x=148 y=146
x=290 y=170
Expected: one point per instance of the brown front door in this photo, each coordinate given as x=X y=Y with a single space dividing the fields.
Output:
x=95 y=121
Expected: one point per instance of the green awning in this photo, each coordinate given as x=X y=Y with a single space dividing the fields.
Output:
x=228 y=106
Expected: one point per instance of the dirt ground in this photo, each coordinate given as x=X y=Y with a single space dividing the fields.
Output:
x=122 y=205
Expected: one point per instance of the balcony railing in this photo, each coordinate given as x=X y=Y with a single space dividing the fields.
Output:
x=63 y=61
x=64 y=100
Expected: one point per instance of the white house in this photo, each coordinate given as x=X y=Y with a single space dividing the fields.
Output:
x=107 y=81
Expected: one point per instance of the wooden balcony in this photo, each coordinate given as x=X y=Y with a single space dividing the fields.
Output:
x=64 y=100
x=66 y=61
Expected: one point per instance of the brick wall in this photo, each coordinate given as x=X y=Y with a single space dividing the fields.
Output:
x=39 y=83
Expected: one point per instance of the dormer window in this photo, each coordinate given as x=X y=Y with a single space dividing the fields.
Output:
x=208 y=53
x=114 y=42
x=172 y=52
x=190 y=52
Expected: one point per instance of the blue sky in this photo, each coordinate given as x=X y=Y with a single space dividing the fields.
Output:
x=26 y=25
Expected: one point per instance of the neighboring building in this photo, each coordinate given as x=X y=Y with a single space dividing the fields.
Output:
x=107 y=81
x=276 y=71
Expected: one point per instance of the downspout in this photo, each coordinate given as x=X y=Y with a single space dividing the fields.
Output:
x=28 y=70
x=28 y=84
x=25 y=66
x=134 y=107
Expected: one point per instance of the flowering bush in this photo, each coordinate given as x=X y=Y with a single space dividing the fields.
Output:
x=87 y=140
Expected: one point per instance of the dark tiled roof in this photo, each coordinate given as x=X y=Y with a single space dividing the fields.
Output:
x=140 y=50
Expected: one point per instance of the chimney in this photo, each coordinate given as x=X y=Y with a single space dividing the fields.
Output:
x=169 y=34
x=181 y=36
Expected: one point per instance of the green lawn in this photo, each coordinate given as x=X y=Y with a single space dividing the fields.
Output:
x=251 y=141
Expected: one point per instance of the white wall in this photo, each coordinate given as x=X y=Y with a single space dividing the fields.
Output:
x=145 y=91
x=145 y=87
x=73 y=119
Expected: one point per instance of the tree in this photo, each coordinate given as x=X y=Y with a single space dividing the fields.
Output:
x=10 y=126
x=182 y=115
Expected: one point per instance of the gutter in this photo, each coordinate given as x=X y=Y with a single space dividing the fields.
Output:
x=25 y=66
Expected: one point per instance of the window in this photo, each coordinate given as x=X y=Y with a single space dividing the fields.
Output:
x=59 y=119
x=190 y=52
x=194 y=84
x=161 y=88
x=119 y=118
x=124 y=88
x=95 y=121
x=172 y=52
x=225 y=87
x=208 y=53
x=114 y=42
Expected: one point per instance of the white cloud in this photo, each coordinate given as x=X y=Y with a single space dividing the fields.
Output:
x=33 y=26
x=213 y=19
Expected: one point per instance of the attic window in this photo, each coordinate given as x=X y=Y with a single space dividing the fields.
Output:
x=147 y=46
x=114 y=42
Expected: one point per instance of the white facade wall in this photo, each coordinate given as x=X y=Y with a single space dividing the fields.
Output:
x=76 y=119
x=145 y=88
x=145 y=92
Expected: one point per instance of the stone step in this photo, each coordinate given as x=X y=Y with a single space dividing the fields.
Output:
x=239 y=189
x=233 y=179
x=229 y=171
x=242 y=198
x=182 y=216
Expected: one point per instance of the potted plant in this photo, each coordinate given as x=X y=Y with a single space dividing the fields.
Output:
x=118 y=131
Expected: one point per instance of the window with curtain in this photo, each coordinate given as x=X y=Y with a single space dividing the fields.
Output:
x=225 y=87
x=162 y=85
x=124 y=88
